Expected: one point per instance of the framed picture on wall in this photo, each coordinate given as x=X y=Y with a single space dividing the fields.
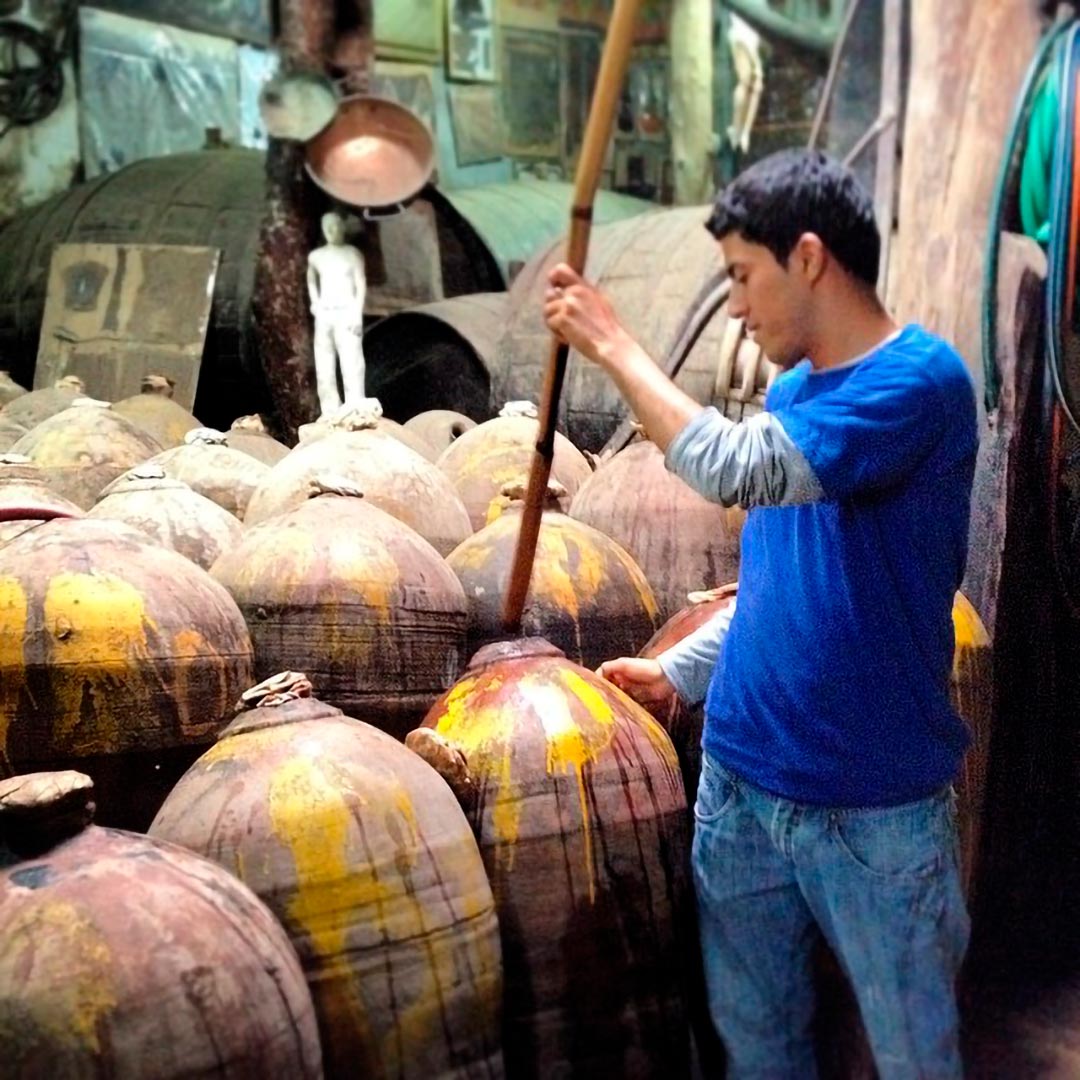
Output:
x=530 y=94
x=470 y=40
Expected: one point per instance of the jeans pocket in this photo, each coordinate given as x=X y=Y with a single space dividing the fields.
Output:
x=904 y=843
x=716 y=792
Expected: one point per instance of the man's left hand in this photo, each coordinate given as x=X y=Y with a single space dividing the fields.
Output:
x=579 y=314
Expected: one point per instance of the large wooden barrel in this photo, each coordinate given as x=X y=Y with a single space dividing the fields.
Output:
x=437 y=356
x=202 y=199
x=652 y=267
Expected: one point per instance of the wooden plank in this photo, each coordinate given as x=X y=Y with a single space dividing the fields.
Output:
x=968 y=61
x=117 y=312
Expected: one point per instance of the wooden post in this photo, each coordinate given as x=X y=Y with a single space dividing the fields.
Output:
x=968 y=59
x=283 y=323
x=691 y=43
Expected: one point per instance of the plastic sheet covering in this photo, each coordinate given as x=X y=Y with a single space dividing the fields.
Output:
x=148 y=89
x=256 y=68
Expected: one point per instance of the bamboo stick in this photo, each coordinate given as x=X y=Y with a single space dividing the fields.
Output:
x=609 y=81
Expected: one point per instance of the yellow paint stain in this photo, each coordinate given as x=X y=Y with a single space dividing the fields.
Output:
x=309 y=815
x=568 y=752
x=97 y=634
x=296 y=556
x=473 y=554
x=967 y=626
x=13 y=612
x=49 y=937
x=485 y=733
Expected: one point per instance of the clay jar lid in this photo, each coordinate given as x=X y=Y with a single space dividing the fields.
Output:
x=38 y=810
x=285 y=698
x=146 y=477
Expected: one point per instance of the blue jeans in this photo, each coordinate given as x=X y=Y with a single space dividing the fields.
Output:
x=881 y=884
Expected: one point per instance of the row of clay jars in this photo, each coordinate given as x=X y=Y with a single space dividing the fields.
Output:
x=128 y=957
x=362 y=852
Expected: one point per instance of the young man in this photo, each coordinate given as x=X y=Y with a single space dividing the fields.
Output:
x=825 y=803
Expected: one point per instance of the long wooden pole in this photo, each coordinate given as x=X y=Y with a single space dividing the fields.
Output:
x=609 y=82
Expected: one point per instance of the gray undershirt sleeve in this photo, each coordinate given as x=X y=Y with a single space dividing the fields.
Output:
x=689 y=664
x=752 y=463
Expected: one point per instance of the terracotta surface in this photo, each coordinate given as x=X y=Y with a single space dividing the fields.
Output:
x=127 y=957
x=116 y=656
x=579 y=811
x=364 y=855
x=344 y=591
x=586 y=595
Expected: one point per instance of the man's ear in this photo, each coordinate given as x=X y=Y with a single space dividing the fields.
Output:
x=809 y=257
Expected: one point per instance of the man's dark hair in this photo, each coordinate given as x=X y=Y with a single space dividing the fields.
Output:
x=793 y=192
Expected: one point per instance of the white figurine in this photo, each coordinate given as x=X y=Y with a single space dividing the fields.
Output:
x=337 y=286
x=745 y=44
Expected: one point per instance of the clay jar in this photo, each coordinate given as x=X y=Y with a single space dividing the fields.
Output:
x=28 y=410
x=680 y=540
x=439 y=427
x=248 y=433
x=391 y=476
x=169 y=513
x=574 y=793
x=26 y=501
x=116 y=656
x=216 y=471
x=153 y=410
x=499 y=452
x=586 y=595
x=127 y=957
x=362 y=852
x=85 y=447
x=367 y=415
x=345 y=591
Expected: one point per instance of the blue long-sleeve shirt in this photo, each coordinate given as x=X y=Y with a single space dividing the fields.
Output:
x=829 y=683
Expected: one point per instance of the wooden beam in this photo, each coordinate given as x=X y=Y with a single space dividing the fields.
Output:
x=691 y=44
x=968 y=59
x=313 y=33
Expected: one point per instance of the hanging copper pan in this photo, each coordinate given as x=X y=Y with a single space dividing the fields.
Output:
x=375 y=154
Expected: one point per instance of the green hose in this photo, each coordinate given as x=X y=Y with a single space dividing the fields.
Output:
x=1035 y=170
x=1033 y=83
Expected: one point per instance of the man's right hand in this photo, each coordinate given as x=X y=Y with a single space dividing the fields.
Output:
x=643 y=680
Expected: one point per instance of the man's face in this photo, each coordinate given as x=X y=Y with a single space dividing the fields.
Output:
x=773 y=299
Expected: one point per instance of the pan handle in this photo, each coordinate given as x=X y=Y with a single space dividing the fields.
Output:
x=375 y=213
